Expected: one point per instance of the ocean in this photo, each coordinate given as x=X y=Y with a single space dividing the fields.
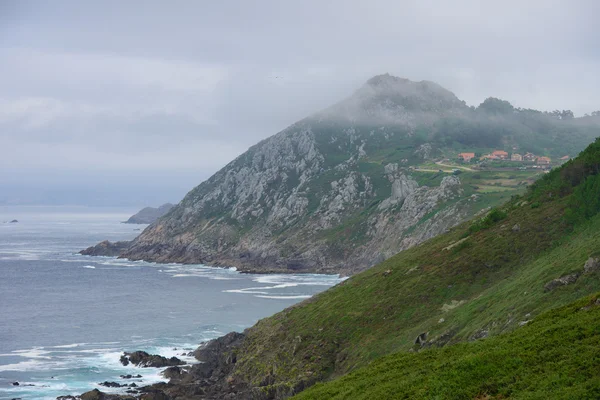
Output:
x=65 y=318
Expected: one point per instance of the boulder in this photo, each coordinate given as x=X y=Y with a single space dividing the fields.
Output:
x=14 y=221
x=173 y=372
x=562 y=281
x=421 y=339
x=98 y=395
x=93 y=395
x=591 y=265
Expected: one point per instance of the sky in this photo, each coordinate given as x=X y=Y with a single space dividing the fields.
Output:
x=135 y=103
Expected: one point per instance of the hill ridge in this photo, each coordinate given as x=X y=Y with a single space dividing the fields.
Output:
x=323 y=194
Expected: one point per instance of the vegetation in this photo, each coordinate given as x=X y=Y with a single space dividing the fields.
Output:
x=467 y=284
x=553 y=356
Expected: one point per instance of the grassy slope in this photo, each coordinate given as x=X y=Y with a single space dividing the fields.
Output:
x=489 y=282
x=557 y=355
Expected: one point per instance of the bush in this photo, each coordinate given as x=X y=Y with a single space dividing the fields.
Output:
x=490 y=219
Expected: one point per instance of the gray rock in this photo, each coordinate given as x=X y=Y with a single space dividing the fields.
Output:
x=421 y=339
x=562 y=281
x=143 y=359
x=591 y=265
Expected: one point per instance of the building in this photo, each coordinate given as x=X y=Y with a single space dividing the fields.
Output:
x=490 y=157
x=466 y=157
x=529 y=157
x=543 y=161
x=516 y=157
x=501 y=154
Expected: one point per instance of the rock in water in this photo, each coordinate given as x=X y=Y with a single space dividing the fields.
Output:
x=143 y=359
x=149 y=215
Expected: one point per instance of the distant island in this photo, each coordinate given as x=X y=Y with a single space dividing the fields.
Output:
x=148 y=215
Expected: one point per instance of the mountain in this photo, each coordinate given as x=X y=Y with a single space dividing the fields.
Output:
x=149 y=215
x=354 y=184
x=503 y=306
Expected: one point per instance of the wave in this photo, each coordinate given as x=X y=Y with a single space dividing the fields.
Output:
x=69 y=346
x=34 y=365
x=88 y=267
x=303 y=296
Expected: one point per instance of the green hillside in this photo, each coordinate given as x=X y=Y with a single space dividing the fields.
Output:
x=554 y=356
x=484 y=278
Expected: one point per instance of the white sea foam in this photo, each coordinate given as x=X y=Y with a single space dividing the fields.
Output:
x=68 y=346
x=245 y=291
x=89 y=267
x=284 y=297
x=36 y=352
x=33 y=365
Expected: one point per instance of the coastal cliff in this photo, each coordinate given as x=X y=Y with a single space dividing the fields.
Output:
x=351 y=185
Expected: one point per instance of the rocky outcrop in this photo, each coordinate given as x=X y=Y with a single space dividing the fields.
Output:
x=209 y=379
x=149 y=215
x=562 y=281
x=97 y=395
x=143 y=359
x=106 y=249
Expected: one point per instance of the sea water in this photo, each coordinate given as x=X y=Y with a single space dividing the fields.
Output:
x=65 y=318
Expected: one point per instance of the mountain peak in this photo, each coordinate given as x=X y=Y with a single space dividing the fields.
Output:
x=386 y=79
x=405 y=87
x=389 y=99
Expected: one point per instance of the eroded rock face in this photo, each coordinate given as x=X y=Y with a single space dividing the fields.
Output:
x=310 y=198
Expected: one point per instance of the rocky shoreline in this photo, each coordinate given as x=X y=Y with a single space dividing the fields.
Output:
x=243 y=264
x=209 y=379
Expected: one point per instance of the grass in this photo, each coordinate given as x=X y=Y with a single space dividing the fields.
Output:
x=556 y=356
x=498 y=277
x=492 y=189
x=481 y=279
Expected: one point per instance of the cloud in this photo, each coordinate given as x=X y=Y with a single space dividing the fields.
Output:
x=172 y=92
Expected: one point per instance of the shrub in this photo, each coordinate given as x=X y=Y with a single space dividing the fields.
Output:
x=490 y=219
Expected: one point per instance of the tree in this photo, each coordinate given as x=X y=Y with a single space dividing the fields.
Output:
x=496 y=106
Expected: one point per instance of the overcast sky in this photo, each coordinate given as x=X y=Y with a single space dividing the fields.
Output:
x=137 y=102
